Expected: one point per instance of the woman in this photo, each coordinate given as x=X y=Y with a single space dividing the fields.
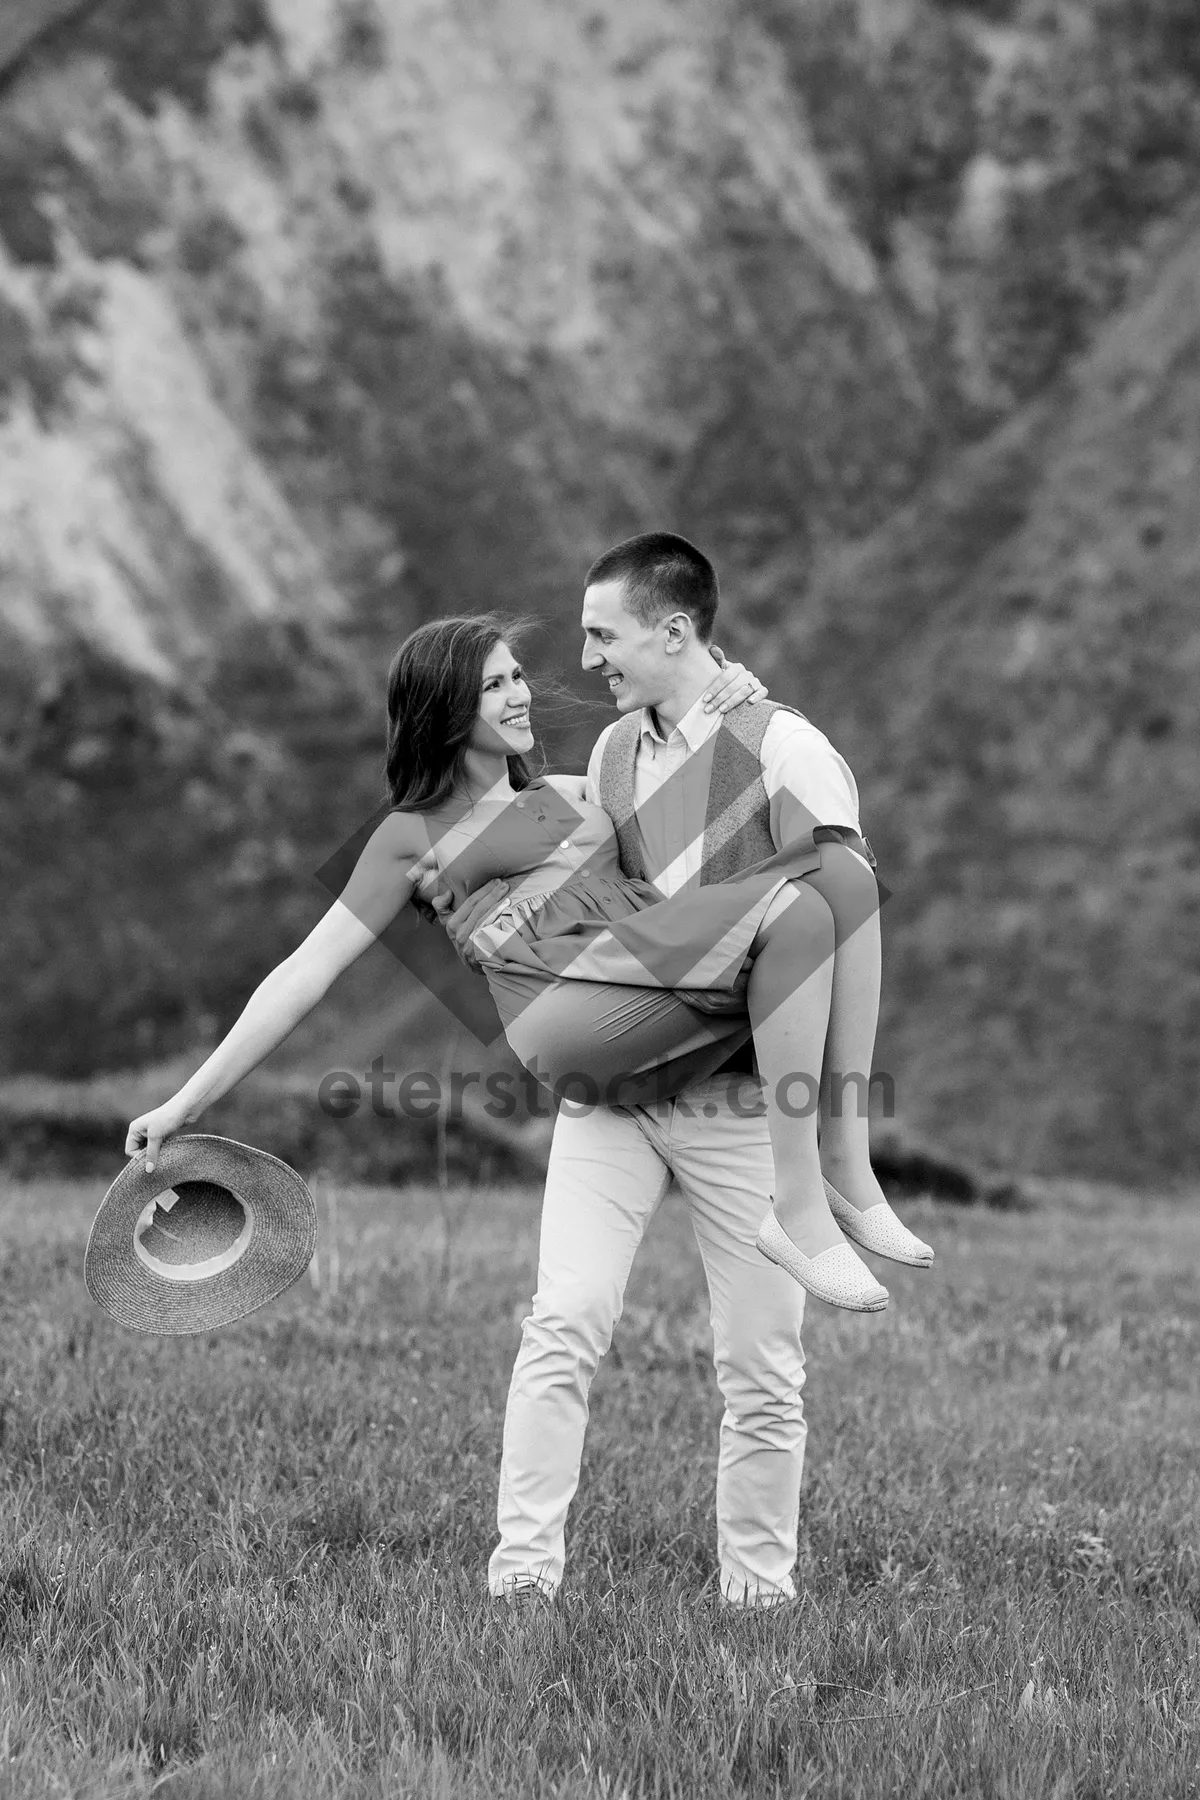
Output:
x=595 y=976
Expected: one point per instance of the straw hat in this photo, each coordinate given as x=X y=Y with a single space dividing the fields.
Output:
x=217 y=1230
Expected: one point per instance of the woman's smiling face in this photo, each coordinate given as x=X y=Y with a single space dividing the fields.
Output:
x=503 y=722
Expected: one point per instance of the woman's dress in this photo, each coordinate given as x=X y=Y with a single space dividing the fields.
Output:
x=598 y=979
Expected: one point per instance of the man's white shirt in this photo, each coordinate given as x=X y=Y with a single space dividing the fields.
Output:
x=807 y=783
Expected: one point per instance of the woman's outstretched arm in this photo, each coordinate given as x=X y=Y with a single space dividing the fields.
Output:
x=383 y=880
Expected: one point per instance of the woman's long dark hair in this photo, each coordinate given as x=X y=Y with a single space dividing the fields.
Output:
x=433 y=693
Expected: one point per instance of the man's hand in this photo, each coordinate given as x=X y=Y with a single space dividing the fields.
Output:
x=462 y=921
x=732 y=684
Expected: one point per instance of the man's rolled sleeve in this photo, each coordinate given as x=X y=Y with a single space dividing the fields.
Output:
x=807 y=782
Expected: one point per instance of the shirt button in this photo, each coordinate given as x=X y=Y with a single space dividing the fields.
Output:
x=566 y=844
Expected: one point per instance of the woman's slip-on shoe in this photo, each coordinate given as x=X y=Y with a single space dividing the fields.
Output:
x=837 y=1275
x=879 y=1230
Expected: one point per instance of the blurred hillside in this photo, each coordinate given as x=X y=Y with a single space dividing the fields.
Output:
x=320 y=318
x=1013 y=665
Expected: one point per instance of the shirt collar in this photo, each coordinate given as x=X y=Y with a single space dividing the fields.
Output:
x=695 y=727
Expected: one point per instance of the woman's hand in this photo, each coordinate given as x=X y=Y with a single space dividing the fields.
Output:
x=732 y=684
x=151 y=1128
x=381 y=883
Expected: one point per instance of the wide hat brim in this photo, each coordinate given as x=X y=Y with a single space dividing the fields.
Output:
x=218 y=1230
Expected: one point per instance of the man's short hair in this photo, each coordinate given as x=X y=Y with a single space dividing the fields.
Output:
x=662 y=574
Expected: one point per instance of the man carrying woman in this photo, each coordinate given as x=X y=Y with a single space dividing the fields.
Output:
x=732 y=891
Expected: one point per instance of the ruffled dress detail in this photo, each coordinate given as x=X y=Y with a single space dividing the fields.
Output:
x=601 y=926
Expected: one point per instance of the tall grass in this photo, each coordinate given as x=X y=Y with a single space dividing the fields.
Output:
x=252 y=1564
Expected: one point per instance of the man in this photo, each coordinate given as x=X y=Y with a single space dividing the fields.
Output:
x=648 y=614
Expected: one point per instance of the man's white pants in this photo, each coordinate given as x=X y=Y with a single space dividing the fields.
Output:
x=609 y=1169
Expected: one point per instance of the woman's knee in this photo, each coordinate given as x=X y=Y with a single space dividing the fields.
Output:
x=846 y=880
x=799 y=917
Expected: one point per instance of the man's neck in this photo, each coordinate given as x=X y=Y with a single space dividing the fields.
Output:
x=692 y=681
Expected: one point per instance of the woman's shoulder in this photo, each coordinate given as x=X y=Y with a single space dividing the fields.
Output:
x=403 y=831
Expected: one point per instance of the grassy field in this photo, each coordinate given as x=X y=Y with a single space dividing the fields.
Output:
x=252 y=1564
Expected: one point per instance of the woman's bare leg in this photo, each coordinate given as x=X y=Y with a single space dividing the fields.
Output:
x=788 y=997
x=851 y=892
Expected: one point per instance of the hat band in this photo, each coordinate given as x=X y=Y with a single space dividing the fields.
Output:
x=197 y=1271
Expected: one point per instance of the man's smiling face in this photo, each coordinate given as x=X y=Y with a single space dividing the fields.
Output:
x=630 y=656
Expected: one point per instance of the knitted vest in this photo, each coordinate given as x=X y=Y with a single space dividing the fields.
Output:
x=737 y=823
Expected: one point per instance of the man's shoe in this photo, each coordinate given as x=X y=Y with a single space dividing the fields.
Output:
x=771 y=1603
x=879 y=1230
x=837 y=1275
x=526 y=1597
